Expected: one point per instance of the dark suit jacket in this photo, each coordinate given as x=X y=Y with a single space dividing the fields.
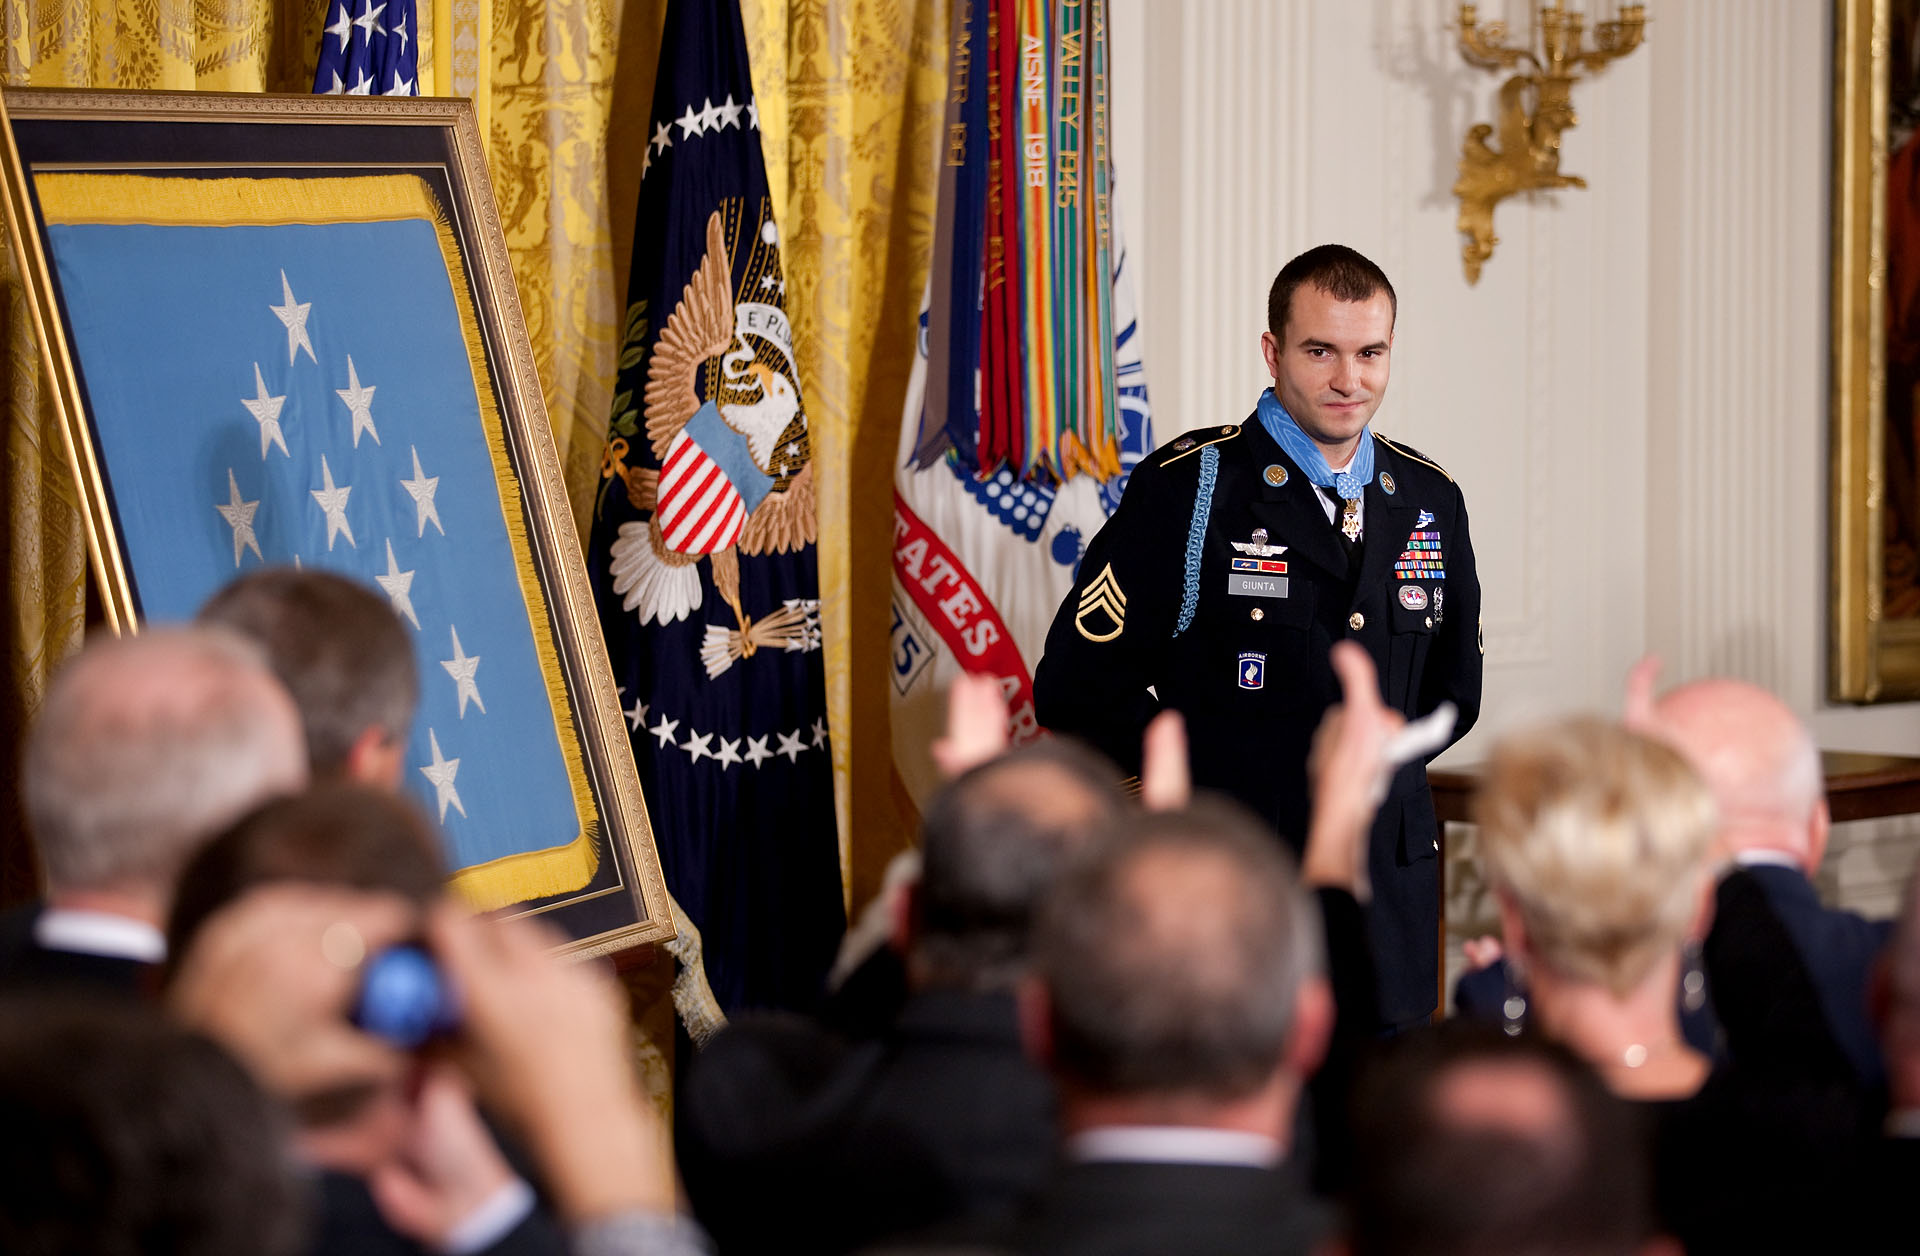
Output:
x=26 y=967
x=1158 y=601
x=792 y=1142
x=1790 y=977
x=1110 y=1208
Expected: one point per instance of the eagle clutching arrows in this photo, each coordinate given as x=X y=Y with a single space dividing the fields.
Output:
x=736 y=471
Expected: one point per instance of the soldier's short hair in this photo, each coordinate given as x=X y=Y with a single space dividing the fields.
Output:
x=1174 y=954
x=147 y=746
x=337 y=646
x=1336 y=270
x=992 y=844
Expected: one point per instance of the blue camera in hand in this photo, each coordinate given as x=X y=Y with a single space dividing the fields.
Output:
x=405 y=998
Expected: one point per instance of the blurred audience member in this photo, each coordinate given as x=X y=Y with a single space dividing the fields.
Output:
x=1789 y=975
x=273 y=975
x=146 y=746
x=1181 y=1008
x=122 y=1134
x=378 y=1136
x=941 y=1115
x=1474 y=1142
x=1597 y=841
x=344 y=656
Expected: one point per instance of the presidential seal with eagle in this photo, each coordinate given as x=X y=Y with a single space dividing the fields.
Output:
x=725 y=423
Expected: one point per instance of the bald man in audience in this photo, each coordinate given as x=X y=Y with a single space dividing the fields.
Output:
x=146 y=746
x=343 y=654
x=1789 y=975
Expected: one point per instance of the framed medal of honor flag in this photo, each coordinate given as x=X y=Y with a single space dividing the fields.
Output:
x=284 y=330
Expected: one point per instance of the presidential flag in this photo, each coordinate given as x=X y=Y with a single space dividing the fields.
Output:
x=289 y=371
x=369 y=48
x=1027 y=408
x=703 y=551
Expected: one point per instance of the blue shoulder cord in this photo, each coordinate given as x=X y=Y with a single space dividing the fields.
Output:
x=1196 y=536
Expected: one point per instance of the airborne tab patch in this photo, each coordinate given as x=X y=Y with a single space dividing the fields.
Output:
x=1102 y=615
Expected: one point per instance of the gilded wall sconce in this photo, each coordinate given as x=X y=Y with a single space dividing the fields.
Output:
x=1534 y=109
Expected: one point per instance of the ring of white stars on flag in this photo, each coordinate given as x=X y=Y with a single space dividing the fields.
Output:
x=368 y=49
x=334 y=455
x=709 y=119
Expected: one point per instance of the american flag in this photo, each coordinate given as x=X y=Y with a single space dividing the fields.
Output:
x=369 y=48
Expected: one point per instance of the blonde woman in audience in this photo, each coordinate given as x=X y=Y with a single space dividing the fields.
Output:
x=1596 y=843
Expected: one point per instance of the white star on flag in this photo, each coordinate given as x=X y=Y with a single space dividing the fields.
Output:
x=729 y=752
x=753 y=114
x=729 y=113
x=294 y=316
x=370 y=19
x=239 y=515
x=400 y=32
x=401 y=87
x=338 y=86
x=819 y=734
x=363 y=86
x=691 y=123
x=334 y=502
x=441 y=772
x=697 y=746
x=399 y=585
x=664 y=729
x=461 y=667
x=636 y=716
x=266 y=412
x=422 y=488
x=662 y=137
x=360 y=401
x=757 y=752
x=790 y=746
x=342 y=28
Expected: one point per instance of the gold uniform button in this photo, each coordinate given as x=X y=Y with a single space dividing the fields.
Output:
x=1258 y=614
x=1356 y=621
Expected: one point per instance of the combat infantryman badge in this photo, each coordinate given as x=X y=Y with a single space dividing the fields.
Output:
x=1102 y=597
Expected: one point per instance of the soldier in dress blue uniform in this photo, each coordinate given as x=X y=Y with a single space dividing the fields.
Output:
x=1240 y=554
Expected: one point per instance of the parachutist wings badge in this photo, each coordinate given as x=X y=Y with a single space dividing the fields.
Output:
x=736 y=473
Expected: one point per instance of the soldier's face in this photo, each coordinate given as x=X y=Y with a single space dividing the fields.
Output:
x=1331 y=370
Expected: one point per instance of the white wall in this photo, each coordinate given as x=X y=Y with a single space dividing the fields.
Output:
x=1633 y=397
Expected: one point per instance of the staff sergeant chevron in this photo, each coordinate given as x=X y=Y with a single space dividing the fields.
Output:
x=1103 y=596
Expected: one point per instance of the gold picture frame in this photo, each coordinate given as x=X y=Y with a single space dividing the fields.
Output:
x=92 y=181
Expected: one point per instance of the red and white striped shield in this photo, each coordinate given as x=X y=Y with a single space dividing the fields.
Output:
x=700 y=511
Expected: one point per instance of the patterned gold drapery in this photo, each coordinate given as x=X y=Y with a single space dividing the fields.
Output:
x=857 y=96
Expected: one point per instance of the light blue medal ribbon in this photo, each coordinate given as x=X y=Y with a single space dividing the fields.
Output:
x=1349 y=484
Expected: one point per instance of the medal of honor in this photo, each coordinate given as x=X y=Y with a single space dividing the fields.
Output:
x=1350 y=519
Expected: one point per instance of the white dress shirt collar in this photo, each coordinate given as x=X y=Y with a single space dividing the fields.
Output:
x=1175 y=1144
x=99 y=933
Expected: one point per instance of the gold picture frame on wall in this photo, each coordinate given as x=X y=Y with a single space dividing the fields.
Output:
x=284 y=330
x=1875 y=353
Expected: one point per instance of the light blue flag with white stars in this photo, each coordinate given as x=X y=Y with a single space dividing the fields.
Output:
x=312 y=392
x=369 y=48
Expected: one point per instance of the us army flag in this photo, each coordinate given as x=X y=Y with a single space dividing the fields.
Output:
x=1027 y=407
